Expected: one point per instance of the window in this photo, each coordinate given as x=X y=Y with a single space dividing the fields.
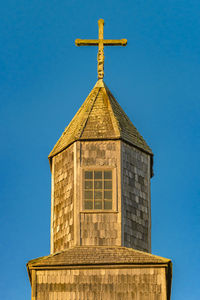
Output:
x=98 y=189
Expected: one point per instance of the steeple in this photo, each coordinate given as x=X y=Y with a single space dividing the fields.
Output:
x=100 y=138
x=101 y=169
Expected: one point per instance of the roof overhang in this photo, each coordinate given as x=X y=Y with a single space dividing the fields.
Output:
x=50 y=157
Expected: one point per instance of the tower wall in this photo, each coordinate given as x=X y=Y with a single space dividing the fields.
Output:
x=129 y=221
x=102 y=283
x=62 y=223
x=101 y=228
x=70 y=223
x=136 y=198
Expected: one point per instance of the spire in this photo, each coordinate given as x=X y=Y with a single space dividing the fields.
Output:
x=100 y=43
x=100 y=118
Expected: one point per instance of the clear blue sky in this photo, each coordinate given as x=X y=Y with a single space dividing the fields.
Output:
x=44 y=79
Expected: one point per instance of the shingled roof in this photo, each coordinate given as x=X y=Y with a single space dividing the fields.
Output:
x=95 y=255
x=100 y=118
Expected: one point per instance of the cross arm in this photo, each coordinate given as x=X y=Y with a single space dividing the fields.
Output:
x=122 y=42
x=79 y=42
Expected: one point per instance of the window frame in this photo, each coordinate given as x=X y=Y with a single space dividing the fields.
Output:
x=95 y=168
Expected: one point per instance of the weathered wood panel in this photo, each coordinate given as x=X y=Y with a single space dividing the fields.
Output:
x=63 y=230
x=136 y=198
x=98 y=228
x=125 y=283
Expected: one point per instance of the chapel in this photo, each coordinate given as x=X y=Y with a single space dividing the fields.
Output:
x=101 y=169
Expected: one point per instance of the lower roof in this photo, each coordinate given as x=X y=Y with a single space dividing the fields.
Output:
x=97 y=255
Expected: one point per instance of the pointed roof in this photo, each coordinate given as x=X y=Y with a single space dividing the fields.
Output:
x=100 y=118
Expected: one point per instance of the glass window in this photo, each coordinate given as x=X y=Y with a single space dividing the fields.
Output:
x=98 y=189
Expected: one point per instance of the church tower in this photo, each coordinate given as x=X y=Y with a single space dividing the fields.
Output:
x=100 y=207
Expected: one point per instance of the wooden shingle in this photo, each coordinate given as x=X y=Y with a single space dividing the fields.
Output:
x=100 y=118
x=90 y=255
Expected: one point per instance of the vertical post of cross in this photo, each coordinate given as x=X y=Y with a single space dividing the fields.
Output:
x=100 y=55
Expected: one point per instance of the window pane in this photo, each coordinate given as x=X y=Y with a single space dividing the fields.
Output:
x=98 y=189
x=107 y=204
x=98 y=185
x=108 y=175
x=108 y=185
x=97 y=195
x=88 y=194
x=88 y=174
x=107 y=194
x=88 y=204
x=89 y=185
x=97 y=175
x=98 y=204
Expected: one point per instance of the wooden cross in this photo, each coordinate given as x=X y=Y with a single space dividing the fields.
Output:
x=100 y=43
